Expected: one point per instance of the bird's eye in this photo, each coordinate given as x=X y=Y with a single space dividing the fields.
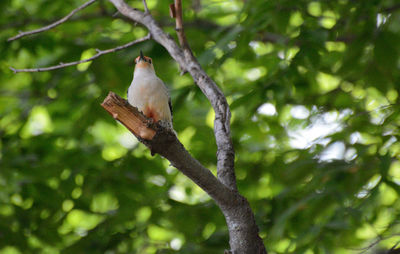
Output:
x=149 y=61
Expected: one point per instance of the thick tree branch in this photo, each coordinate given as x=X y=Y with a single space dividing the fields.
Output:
x=225 y=153
x=98 y=54
x=52 y=25
x=240 y=219
x=129 y=116
x=243 y=231
x=164 y=142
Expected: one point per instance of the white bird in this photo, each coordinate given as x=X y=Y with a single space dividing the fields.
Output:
x=148 y=93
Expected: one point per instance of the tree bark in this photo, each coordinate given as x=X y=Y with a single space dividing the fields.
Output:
x=243 y=231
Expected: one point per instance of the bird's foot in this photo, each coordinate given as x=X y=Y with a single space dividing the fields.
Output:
x=165 y=124
x=150 y=122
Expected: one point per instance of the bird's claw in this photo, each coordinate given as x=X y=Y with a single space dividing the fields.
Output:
x=150 y=122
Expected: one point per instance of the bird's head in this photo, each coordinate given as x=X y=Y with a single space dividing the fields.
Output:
x=143 y=63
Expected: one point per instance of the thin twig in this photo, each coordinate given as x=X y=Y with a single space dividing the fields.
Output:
x=376 y=241
x=98 y=54
x=176 y=12
x=48 y=27
x=393 y=249
x=179 y=26
x=146 y=9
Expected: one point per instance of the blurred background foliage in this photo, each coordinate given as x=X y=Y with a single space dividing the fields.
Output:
x=314 y=90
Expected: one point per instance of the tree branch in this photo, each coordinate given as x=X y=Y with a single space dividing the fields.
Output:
x=41 y=21
x=164 y=142
x=240 y=219
x=179 y=26
x=129 y=116
x=225 y=152
x=146 y=9
x=243 y=231
x=98 y=54
x=48 y=27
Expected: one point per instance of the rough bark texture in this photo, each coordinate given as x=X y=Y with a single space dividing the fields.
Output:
x=130 y=116
x=243 y=230
x=187 y=62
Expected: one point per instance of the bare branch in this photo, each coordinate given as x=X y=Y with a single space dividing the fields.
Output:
x=225 y=152
x=394 y=249
x=98 y=54
x=377 y=240
x=243 y=231
x=186 y=61
x=40 y=21
x=146 y=9
x=163 y=141
x=235 y=207
x=52 y=25
x=179 y=26
x=129 y=116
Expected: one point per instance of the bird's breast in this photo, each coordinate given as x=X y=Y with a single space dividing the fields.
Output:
x=151 y=97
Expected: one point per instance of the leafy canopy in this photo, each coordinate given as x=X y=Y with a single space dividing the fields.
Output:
x=313 y=88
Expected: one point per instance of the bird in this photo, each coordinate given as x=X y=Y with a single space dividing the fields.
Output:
x=148 y=93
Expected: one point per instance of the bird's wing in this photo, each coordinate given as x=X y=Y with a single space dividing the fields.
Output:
x=170 y=106
x=169 y=96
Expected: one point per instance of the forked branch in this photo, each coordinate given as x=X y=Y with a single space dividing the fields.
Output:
x=243 y=231
x=52 y=25
x=225 y=152
x=164 y=142
x=98 y=54
x=239 y=217
x=176 y=12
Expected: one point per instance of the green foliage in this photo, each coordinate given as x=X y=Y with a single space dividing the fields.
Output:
x=313 y=87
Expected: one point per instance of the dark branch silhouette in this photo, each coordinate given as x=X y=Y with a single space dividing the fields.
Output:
x=52 y=25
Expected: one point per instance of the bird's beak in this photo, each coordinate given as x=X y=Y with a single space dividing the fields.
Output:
x=142 y=56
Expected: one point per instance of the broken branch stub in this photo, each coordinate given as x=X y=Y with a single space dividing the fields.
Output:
x=129 y=116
